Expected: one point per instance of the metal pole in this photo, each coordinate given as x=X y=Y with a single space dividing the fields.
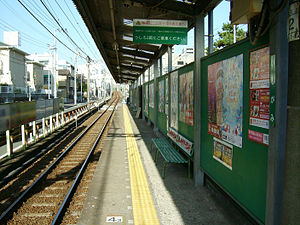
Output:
x=169 y=59
x=54 y=68
x=210 y=32
x=234 y=33
x=291 y=203
x=199 y=53
x=75 y=78
x=88 y=80
x=156 y=74
x=277 y=134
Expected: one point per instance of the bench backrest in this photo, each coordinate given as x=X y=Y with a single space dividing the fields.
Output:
x=184 y=144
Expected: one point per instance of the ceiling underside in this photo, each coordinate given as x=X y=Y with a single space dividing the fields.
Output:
x=110 y=24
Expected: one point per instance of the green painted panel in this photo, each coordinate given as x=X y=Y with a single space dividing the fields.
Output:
x=160 y=35
x=247 y=180
x=161 y=96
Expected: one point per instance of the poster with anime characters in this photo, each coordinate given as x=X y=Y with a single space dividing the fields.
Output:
x=167 y=97
x=151 y=95
x=174 y=100
x=186 y=113
x=225 y=100
x=260 y=88
x=161 y=92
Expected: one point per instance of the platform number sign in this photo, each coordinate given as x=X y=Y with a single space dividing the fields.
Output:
x=293 y=22
x=114 y=219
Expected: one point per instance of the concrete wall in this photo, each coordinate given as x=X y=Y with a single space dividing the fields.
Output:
x=17 y=68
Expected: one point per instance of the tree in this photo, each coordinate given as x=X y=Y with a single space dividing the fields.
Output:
x=226 y=36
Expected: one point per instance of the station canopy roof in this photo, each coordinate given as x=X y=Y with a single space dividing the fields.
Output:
x=110 y=23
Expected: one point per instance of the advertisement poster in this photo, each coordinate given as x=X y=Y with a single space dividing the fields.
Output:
x=146 y=100
x=174 y=100
x=186 y=98
x=260 y=88
x=167 y=97
x=151 y=95
x=225 y=100
x=258 y=137
x=161 y=92
x=223 y=153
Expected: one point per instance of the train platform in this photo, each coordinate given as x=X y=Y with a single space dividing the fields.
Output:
x=128 y=188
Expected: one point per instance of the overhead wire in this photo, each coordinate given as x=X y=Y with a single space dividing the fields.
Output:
x=95 y=55
x=46 y=27
x=7 y=26
x=39 y=13
x=19 y=17
x=62 y=28
x=77 y=22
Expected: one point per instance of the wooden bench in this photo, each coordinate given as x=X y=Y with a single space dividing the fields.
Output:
x=169 y=153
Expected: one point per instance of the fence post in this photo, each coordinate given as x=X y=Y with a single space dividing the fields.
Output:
x=57 y=124
x=34 y=131
x=8 y=144
x=62 y=119
x=23 y=137
x=76 y=118
x=43 y=127
x=51 y=124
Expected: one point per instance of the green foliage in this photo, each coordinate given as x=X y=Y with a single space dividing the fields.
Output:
x=226 y=36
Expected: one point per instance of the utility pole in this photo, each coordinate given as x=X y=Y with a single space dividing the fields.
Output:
x=54 y=67
x=75 y=78
x=49 y=92
x=88 y=60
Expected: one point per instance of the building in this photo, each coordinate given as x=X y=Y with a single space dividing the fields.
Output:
x=12 y=69
x=35 y=77
x=47 y=60
x=65 y=85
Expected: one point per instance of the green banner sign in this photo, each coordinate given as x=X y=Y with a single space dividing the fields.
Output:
x=160 y=31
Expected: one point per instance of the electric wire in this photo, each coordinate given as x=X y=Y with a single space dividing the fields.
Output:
x=39 y=13
x=77 y=22
x=18 y=16
x=45 y=26
x=7 y=26
x=75 y=29
x=62 y=27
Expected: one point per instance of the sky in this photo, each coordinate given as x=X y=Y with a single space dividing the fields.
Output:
x=36 y=39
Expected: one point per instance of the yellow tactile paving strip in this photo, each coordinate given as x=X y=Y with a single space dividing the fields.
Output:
x=144 y=212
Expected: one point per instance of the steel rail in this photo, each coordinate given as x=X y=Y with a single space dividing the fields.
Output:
x=80 y=173
x=22 y=196
x=25 y=165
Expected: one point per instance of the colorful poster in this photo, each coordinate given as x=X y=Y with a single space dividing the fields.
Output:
x=161 y=92
x=146 y=99
x=167 y=97
x=260 y=88
x=223 y=153
x=151 y=95
x=225 y=100
x=186 y=114
x=174 y=100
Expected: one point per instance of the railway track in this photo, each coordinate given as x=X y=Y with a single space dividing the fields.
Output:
x=45 y=198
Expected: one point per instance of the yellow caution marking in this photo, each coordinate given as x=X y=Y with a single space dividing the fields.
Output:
x=144 y=212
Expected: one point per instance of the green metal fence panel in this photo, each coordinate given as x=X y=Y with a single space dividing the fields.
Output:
x=151 y=100
x=161 y=104
x=228 y=155
x=146 y=99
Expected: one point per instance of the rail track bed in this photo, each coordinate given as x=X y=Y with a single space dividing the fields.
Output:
x=42 y=193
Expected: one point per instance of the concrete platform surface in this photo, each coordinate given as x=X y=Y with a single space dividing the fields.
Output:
x=177 y=201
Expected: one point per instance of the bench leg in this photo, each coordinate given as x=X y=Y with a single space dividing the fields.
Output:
x=156 y=156
x=189 y=168
x=164 y=169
